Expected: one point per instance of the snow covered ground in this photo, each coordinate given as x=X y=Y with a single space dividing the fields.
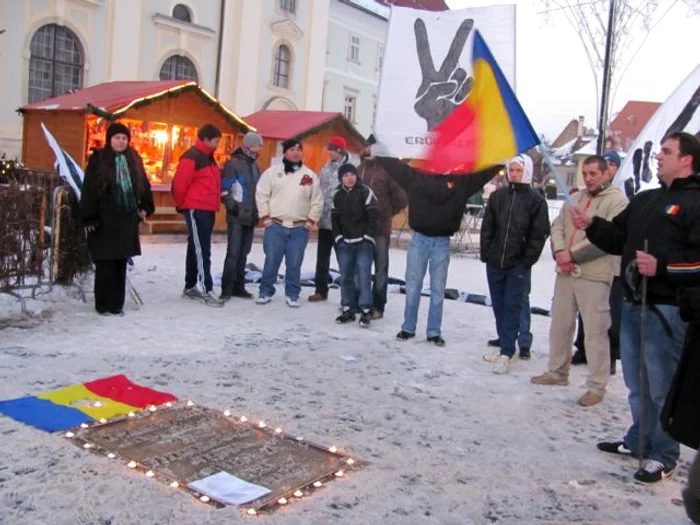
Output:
x=449 y=442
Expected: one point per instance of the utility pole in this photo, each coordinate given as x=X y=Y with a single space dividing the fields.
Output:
x=607 y=74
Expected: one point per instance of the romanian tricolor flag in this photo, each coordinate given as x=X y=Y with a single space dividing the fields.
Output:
x=486 y=129
x=83 y=403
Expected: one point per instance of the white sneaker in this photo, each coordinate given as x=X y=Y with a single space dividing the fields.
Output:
x=493 y=358
x=501 y=365
x=292 y=303
x=263 y=300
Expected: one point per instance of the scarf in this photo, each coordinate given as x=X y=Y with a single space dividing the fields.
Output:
x=124 y=194
x=289 y=166
x=250 y=154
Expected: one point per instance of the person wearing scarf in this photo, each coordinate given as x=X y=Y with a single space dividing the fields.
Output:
x=116 y=196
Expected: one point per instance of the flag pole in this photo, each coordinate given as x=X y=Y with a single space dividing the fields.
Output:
x=563 y=187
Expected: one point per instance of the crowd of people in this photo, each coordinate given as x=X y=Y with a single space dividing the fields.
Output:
x=605 y=248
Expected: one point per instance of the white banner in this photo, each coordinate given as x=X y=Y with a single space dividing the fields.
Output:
x=65 y=165
x=427 y=70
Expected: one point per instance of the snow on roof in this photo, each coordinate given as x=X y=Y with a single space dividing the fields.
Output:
x=565 y=149
x=373 y=7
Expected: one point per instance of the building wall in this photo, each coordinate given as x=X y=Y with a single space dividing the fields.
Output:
x=344 y=76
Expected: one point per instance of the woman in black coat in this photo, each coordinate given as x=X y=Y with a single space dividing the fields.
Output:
x=116 y=197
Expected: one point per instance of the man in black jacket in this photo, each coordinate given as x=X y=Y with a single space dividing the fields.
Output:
x=238 y=182
x=354 y=219
x=513 y=233
x=436 y=205
x=668 y=219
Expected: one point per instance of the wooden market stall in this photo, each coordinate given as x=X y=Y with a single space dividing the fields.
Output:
x=313 y=128
x=163 y=117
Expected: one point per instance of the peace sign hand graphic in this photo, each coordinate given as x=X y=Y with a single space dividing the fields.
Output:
x=441 y=91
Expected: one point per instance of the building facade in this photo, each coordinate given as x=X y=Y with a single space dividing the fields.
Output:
x=252 y=54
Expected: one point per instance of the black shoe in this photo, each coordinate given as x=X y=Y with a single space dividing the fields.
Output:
x=348 y=316
x=436 y=340
x=365 y=319
x=614 y=447
x=613 y=368
x=494 y=342
x=404 y=336
x=243 y=294
x=579 y=358
x=653 y=472
x=225 y=297
x=524 y=353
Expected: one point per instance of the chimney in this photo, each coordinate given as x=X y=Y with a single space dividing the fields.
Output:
x=581 y=128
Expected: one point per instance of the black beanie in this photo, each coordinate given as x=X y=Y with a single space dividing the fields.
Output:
x=346 y=168
x=208 y=132
x=115 y=129
x=290 y=143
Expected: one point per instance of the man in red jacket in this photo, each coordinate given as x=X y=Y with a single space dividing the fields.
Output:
x=197 y=189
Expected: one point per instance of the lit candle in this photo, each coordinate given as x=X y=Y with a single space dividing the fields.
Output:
x=298 y=494
x=174 y=484
x=318 y=484
x=262 y=424
x=168 y=404
x=278 y=430
x=131 y=414
x=87 y=445
x=190 y=404
x=282 y=501
x=97 y=404
x=339 y=474
x=152 y=408
x=299 y=438
x=84 y=425
x=243 y=419
x=150 y=474
x=333 y=450
x=227 y=413
x=103 y=420
x=131 y=464
x=111 y=455
x=350 y=461
x=252 y=512
x=204 y=499
x=69 y=434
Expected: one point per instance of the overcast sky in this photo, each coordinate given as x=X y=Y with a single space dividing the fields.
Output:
x=554 y=79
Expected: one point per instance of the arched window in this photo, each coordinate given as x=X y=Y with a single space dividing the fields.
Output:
x=182 y=12
x=178 y=67
x=283 y=63
x=56 y=62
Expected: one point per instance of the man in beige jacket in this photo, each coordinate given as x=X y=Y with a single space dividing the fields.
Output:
x=290 y=202
x=582 y=285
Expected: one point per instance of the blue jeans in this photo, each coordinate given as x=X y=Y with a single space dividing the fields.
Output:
x=355 y=265
x=424 y=251
x=288 y=244
x=662 y=355
x=507 y=288
x=200 y=224
x=524 y=334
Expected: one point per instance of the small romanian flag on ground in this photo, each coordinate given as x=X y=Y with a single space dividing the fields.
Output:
x=486 y=129
x=83 y=403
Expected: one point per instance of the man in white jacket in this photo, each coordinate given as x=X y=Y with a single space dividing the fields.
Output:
x=290 y=203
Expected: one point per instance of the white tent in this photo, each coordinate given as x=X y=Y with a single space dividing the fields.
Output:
x=681 y=112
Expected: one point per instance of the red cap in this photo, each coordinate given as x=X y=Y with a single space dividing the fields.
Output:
x=339 y=143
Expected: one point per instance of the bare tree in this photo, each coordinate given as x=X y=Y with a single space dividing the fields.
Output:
x=634 y=21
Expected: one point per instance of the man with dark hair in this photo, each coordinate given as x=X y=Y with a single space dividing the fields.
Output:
x=290 y=203
x=240 y=177
x=667 y=220
x=582 y=285
x=196 y=188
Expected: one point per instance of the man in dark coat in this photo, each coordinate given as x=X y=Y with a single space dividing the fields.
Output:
x=238 y=183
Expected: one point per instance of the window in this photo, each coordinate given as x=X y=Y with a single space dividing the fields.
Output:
x=354 y=51
x=182 y=12
x=56 y=62
x=283 y=59
x=349 y=109
x=288 y=6
x=178 y=67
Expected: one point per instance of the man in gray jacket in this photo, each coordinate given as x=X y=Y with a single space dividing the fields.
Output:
x=337 y=152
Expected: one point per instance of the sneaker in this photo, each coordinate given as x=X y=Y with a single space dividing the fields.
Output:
x=243 y=294
x=317 y=297
x=524 y=353
x=494 y=342
x=263 y=300
x=653 y=472
x=192 y=293
x=579 y=358
x=614 y=447
x=589 y=399
x=377 y=314
x=436 y=340
x=549 y=378
x=348 y=316
x=211 y=300
x=493 y=358
x=404 y=336
x=292 y=303
x=365 y=318
x=501 y=366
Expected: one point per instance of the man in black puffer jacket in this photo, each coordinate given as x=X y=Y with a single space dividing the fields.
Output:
x=354 y=218
x=513 y=233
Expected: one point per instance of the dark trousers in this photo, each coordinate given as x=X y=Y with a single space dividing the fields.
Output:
x=381 y=271
x=240 y=241
x=110 y=285
x=324 y=248
x=617 y=295
x=507 y=288
x=200 y=224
